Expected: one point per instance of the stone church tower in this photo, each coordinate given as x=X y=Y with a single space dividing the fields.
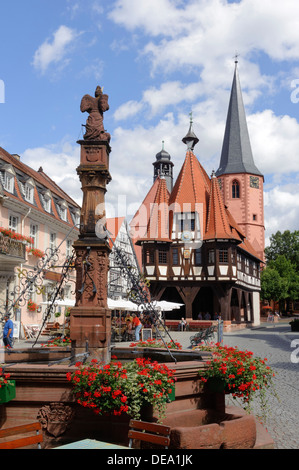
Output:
x=240 y=181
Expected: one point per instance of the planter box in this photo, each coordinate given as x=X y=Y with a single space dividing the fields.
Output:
x=171 y=396
x=8 y=392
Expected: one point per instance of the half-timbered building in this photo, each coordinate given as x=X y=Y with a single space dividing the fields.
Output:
x=193 y=249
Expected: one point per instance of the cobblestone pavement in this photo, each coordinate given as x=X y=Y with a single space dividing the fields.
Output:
x=281 y=348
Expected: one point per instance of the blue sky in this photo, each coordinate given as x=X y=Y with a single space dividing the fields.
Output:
x=157 y=60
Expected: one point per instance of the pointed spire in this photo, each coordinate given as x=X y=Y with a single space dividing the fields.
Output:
x=236 y=155
x=190 y=138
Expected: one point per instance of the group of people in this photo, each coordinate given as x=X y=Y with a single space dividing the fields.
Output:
x=135 y=322
x=133 y=325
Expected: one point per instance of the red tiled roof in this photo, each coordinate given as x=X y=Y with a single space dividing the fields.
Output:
x=138 y=224
x=38 y=176
x=44 y=181
x=218 y=222
x=192 y=192
x=191 y=188
x=192 y=184
x=158 y=221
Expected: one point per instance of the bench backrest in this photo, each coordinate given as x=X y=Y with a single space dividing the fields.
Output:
x=37 y=438
x=149 y=432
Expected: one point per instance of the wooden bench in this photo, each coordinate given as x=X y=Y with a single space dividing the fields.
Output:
x=37 y=438
x=191 y=324
x=203 y=336
x=149 y=432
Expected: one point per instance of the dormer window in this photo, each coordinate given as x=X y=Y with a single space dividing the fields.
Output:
x=29 y=192
x=9 y=182
x=63 y=210
x=47 y=198
x=76 y=218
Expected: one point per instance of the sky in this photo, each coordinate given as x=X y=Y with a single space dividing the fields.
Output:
x=158 y=60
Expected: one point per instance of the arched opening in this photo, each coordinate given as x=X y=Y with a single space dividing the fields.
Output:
x=203 y=304
x=235 y=189
x=171 y=295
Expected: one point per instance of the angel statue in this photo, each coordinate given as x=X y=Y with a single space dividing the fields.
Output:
x=95 y=107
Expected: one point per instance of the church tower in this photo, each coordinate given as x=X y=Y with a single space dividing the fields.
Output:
x=163 y=167
x=240 y=180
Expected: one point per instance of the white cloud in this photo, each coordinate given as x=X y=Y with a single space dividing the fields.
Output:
x=127 y=110
x=55 y=51
x=281 y=210
x=59 y=162
x=95 y=69
x=275 y=142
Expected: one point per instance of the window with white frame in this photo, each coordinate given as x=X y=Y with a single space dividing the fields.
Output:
x=52 y=244
x=9 y=182
x=47 y=201
x=13 y=223
x=33 y=234
x=63 y=213
x=68 y=248
x=29 y=192
x=63 y=210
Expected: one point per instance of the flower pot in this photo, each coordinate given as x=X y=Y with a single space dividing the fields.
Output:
x=8 y=391
x=216 y=384
x=171 y=396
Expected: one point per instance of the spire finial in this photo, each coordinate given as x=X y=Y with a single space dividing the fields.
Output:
x=162 y=144
x=190 y=139
x=236 y=58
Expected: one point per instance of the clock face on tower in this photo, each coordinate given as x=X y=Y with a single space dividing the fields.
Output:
x=254 y=182
x=186 y=236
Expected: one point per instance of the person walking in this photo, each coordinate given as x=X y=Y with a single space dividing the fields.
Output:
x=8 y=332
x=138 y=325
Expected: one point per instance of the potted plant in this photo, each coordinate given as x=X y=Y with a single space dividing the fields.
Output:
x=31 y=306
x=7 y=387
x=117 y=388
x=294 y=324
x=35 y=252
x=238 y=373
x=15 y=236
x=61 y=342
x=156 y=343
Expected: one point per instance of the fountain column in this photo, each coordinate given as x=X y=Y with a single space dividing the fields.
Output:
x=90 y=323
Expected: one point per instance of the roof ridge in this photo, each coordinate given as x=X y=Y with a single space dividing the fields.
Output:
x=35 y=174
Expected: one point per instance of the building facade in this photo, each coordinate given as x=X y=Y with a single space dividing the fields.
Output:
x=36 y=217
x=198 y=247
x=118 y=283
